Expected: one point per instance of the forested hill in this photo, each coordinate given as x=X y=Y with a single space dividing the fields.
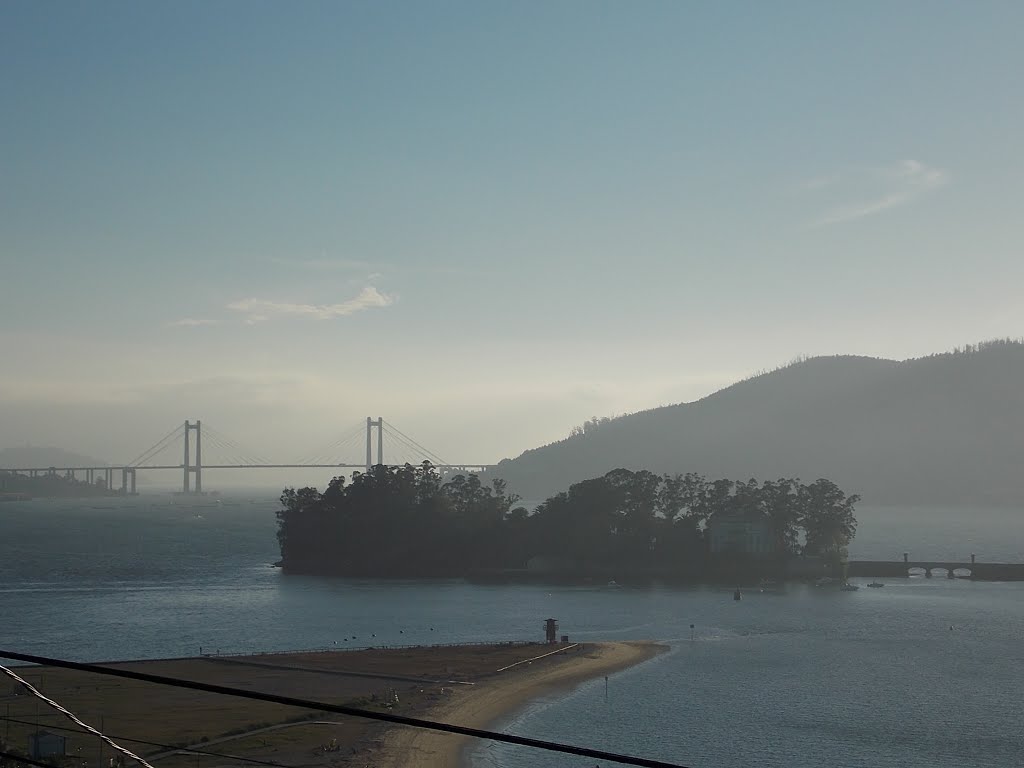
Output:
x=948 y=428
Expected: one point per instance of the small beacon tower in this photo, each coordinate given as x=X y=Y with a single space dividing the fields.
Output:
x=551 y=631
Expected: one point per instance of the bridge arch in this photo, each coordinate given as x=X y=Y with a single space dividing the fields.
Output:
x=939 y=570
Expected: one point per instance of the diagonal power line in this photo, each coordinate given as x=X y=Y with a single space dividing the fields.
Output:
x=71 y=715
x=480 y=733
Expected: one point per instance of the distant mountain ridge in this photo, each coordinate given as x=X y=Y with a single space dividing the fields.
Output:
x=948 y=428
x=44 y=456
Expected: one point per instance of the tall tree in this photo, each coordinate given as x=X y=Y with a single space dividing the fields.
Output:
x=781 y=505
x=827 y=518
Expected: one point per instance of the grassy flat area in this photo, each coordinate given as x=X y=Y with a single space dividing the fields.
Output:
x=406 y=680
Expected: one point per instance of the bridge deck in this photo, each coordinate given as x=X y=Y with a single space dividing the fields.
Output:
x=228 y=466
x=899 y=569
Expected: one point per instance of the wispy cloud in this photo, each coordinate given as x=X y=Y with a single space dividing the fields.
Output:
x=328 y=265
x=258 y=310
x=881 y=189
x=820 y=182
x=189 y=322
x=357 y=269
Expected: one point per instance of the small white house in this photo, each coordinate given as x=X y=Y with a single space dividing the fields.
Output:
x=740 y=533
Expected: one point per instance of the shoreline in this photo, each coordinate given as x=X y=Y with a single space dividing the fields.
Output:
x=495 y=700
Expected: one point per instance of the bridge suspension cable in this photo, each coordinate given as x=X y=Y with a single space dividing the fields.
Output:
x=402 y=454
x=405 y=451
x=395 y=432
x=227 y=455
x=229 y=446
x=324 y=454
x=159 y=447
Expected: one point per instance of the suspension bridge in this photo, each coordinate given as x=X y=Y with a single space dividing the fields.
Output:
x=193 y=439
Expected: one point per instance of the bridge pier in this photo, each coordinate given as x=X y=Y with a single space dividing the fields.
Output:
x=370 y=424
x=187 y=466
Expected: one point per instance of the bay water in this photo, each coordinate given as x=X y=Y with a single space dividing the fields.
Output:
x=925 y=672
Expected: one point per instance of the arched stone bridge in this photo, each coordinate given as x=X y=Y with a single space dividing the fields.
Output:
x=971 y=569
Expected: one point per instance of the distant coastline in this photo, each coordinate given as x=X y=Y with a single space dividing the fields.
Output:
x=16 y=487
x=15 y=497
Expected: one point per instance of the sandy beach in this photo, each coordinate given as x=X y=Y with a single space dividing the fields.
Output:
x=490 y=700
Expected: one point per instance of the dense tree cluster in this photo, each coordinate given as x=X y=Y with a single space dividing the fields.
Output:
x=407 y=521
x=590 y=426
x=396 y=521
x=973 y=349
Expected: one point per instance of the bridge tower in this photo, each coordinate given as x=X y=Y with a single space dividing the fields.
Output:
x=197 y=468
x=370 y=424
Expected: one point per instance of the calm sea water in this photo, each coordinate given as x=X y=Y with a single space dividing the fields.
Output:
x=921 y=673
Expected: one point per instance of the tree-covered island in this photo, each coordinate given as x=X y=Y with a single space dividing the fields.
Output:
x=410 y=522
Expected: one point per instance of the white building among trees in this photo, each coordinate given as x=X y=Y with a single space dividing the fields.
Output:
x=741 y=533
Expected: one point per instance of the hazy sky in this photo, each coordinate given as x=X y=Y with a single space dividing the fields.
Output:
x=486 y=222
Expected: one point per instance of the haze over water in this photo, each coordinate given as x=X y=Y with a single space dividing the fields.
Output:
x=803 y=678
x=489 y=223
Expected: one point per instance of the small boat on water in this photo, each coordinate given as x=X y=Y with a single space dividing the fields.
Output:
x=737 y=595
x=848 y=587
x=876 y=584
x=614 y=584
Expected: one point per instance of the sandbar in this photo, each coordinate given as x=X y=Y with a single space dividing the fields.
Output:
x=497 y=697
